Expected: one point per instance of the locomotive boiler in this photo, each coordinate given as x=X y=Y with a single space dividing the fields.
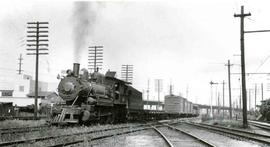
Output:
x=94 y=98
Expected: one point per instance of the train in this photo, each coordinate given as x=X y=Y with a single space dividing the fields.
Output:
x=265 y=110
x=96 y=97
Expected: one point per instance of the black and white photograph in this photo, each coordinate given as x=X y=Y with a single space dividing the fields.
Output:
x=134 y=73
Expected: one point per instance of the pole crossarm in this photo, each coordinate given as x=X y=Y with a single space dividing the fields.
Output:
x=212 y=83
x=242 y=15
x=253 y=73
x=257 y=31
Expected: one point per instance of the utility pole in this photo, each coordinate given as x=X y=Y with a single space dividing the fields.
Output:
x=158 y=88
x=211 y=105
x=147 y=91
x=20 y=64
x=240 y=94
x=127 y=73
x=242 y=45
x=37 y=37
x=187 y=92
x=229 y=81
x=218 y=103
x=255 y=95
x=249 y=99
x=95 y=58
x=262 y=90
x=223 y=89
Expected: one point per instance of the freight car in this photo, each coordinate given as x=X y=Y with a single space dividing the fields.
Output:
x=100 y=98
x=177 y=104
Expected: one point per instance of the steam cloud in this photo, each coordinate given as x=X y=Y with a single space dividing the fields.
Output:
x=83 y=21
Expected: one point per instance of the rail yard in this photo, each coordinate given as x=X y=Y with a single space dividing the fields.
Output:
x=177 y=132
x=134 y=74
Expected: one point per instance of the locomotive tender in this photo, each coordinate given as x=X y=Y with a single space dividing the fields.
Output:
x=100 y=98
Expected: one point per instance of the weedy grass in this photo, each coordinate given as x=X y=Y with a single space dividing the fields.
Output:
x=21 y=123
x=227 y=123
x=56 y=131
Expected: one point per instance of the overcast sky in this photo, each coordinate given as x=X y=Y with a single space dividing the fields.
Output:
x=186 y=42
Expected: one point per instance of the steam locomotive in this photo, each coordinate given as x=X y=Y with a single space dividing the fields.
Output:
x=101 y=98
x=95 y=98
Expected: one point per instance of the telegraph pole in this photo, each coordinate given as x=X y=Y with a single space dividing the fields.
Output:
x=95 y=57
x=255 y=95
x=242 y=45
x=37 y=37
x=262 y=90
x=127 y=73
x=148 y=83
x=249 y=99
x=218 y=103
x=187 y=92
x=240 y=95
x=158 y=88
x=211 y=107
x=223 y=89
x=20 y=64
x=229 y=81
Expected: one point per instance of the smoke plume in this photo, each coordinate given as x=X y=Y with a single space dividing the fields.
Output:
x=83 y=21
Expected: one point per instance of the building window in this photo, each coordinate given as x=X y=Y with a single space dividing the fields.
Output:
x=7 y=92
x=21 y=88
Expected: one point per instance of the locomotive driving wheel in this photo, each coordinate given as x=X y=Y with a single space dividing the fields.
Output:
x=110 y=118
x=84 y=117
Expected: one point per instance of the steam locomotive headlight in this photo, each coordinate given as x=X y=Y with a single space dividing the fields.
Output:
x=68 y=86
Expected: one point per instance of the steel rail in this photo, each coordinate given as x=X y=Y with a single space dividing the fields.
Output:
x=238 y=130
x=242 y=134
x=260 y=126
x=21 y=130
x=163 y=136
x=17 y=128
x=98 y=138
x=191 y=135
x=65 y=135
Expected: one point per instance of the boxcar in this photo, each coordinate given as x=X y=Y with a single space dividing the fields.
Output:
x=174 y=104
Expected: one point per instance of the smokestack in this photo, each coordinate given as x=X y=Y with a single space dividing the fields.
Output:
x=76 y=69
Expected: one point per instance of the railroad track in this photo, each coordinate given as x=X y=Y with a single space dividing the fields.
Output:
x=34 y=140
x=265 y=139
x=22 y=129
x=170 y=144
x=101 y=137
x=260 y=125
